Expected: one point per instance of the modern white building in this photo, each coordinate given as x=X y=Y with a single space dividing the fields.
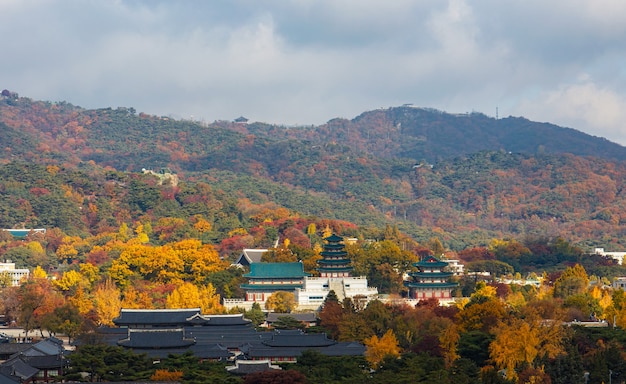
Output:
x=619 y=256
x=16 y=274
x=315 y=290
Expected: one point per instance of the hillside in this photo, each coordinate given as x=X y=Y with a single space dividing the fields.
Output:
x=463 y=178
x=432 y=135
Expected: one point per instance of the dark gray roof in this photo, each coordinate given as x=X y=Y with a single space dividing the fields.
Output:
x=297 y=338
x=156 y=338
x=244 y=367
x=261 y=351
x=15 y=367
x=237 y=319
x=249 y=256
x=4 y=379
x=8 y=349
x=45 y=362
x=47 y=347
x=158 y=317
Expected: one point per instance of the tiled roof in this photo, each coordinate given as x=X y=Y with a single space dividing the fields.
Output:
x=297 y=338
x=333 y=238
x=5 y=379
x=276 y=270
x=11 y=348
x=237 y=319
x=339 y=349
x=45 y=362
x=47 y=347
x=244 y=367
x=15 y=367
x=156 y=338
x=430 y=262
x=270 y=287
x=163 y=317
x=249 y=256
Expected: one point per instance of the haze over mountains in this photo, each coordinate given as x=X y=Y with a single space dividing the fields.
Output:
x=464 y=178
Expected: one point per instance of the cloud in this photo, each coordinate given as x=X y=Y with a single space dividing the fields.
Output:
x=306 y=62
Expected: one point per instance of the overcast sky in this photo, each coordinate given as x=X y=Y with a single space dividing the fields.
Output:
x=306 y=61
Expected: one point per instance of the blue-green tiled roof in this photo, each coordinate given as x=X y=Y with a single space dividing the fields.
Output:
x=276 y=270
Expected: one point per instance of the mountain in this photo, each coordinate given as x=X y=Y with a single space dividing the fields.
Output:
x=432 y=135
x=463 y=178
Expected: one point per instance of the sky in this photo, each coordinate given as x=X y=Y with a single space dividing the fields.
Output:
x=303 y=62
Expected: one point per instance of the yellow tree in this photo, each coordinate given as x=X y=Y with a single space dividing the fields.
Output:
x=281 y=301
x=188 y=295
x=449 y=341
x=137 y=300
x=107 y=302
x=69 y=280
x=199 y=259
x=81 y=301
x=520 y=342
x=515 y=343
x=39 y=273
x=377 y=349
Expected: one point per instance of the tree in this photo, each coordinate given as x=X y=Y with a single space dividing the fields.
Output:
x=108 y=363
x=37 y=300
x=449 y=341
x=288 y=322
x=573 y=280
x=189 y=295
x=255 y=314
x=281 y=302
x=108 y=303
x=378 y=349
x=275 y=377
x=65 y=320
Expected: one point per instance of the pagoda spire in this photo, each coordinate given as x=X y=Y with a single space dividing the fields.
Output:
x=335 y=261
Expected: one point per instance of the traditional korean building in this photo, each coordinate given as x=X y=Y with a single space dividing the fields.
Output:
x=335 y=275
x=41 y=362
x=335 y=270
x=335 y=262
x=159 y=333
x=267 y=278
x=431 y=281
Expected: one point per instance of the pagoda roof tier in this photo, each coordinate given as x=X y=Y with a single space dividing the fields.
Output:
x=412 y=284
x=431 y=274
x=333 y=261
x=334 y=253
x=334 y=246
x=430 y=262
x=333 y=238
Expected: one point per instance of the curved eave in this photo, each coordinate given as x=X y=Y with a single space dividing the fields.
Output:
x=270 y=287
x=333 y=262
x=427 y=265
x=334 y=254
x=431 y=274
x=429 y=285
x=347 y=269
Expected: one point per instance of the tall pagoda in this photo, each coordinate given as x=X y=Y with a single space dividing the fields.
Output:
x=334 y=262
x=431 y=281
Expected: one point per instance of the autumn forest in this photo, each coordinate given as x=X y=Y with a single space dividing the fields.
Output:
x=523 y=201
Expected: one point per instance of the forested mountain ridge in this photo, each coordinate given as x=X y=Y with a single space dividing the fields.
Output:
x=432 y=135
x=373 y=170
